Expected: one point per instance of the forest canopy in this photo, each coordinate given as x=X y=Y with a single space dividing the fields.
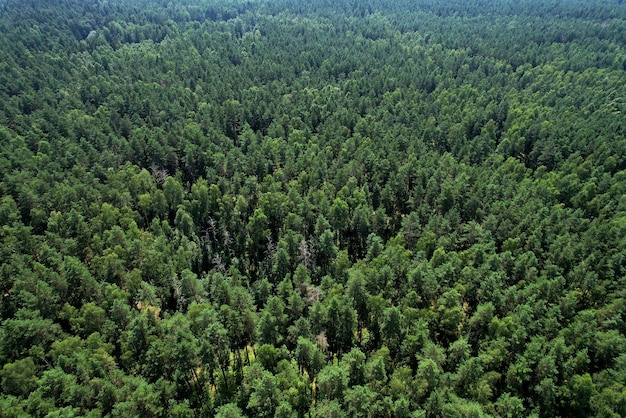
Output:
x=331 y=208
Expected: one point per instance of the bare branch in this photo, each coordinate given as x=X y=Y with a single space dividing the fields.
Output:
x=322 y=341
x=271 y=247
x=178 y=294
x=306 y=253
x=159 y=174
x=312 y=294
x=219 y=264
x=213 y=228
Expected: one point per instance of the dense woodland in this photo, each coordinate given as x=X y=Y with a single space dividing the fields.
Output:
x=279 y=208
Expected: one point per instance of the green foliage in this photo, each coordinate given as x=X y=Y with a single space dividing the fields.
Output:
x=331 y=382
x=19 y=378
x=272 y=208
